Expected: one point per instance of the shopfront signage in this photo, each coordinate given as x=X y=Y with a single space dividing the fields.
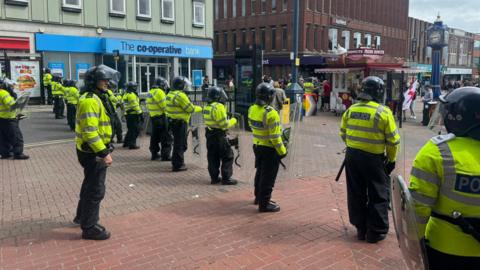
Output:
x=366 y=52
x=26 y=74
x=81 y=70
x=339 y=21
x=57 y=68
x=458 y=71
x=139 y=47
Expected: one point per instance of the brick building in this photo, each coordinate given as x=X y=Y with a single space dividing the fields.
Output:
x=476 y=56
x=458 y=55
x=324 y=26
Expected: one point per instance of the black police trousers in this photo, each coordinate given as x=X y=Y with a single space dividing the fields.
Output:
x=58 y=106
x=367 y=191
x=93 y=189
x=11 y=138
x=438 y=261
x=179 y=131
x=48 y=94
x=71 y=113
x=133 y=129
x=116 y=127
x=219 y=154
x=267 y=162
x=160 y=135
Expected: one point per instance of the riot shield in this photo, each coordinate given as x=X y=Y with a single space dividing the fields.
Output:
x=22 y=102
x=436 y=121
x=196 y=139
x=403 y=213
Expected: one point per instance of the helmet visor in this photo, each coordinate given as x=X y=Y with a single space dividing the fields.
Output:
x=188 y=85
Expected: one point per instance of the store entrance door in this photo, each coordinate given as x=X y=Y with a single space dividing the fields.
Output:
x=147 y=74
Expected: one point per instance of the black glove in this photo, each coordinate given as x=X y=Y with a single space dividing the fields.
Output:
x=389 y=167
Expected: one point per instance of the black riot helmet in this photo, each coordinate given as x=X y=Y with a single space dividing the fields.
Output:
x=97 y=73
x=373 y=88
x=161 y=83
x=460 y=110
x=47 y=70
x=180 y=83
x=216 y=94
x=131 y=87
x=264 y=94
x=57 y=78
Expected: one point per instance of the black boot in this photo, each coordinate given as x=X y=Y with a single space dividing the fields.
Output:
x=215 y=181
x=97 y=232
x=375 y=237
x=361 y=234
x=155 y=156
x=21 y=156
x=229 y=182
x=180 y=169
x=269 y=207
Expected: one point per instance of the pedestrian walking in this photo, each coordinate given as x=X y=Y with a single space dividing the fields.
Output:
x=219 y=152
x=133 y=114
x=445 y=185
x=11 y=138
x=157 y=105
x=268 y=146
x=93 y=134
x=369 y=132
x=179 y=110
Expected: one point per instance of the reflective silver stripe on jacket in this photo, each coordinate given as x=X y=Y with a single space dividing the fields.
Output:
x=450 y=175
x=364 y=129
x=88 y=115
x=266 y=137
x=425 y=176
x=423 y=199
x=365 y=140
x=378 y=114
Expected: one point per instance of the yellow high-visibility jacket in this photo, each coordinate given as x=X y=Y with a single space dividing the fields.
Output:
x=215 y=116
x=265 y=124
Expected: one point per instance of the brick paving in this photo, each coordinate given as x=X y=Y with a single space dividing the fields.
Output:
x=161 y=220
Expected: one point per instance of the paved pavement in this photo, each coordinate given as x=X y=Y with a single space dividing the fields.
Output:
x=161 y=220
x=41 y=126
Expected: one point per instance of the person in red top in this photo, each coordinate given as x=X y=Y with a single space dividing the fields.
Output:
x=327 y=89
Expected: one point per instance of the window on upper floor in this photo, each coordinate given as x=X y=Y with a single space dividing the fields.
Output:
x=198 y=14
x=357 y=40
x=284 y=37
x=244 y=8
x=274 y=6
x=274 y=38
x=253 y=3
x=144 y=9
x=378 y=42
x=346 y=39
x=264 y=6
x=117 y=7
x=368 y=40
x=263 y=38
x=225 y=9
x=216 y=9
x=332 y=39
x=168 y=11
x=285 y=5
x=234 y=8
x=17 y=2
x=72 y=5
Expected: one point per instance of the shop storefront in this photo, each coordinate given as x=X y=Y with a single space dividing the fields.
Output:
x=452 y=75
x=138 y=60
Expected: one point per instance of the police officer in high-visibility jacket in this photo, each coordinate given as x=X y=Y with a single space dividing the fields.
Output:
x=47 y=84
x=71 y=97
x=133 y=114
x=219 y=152
x=445 y=185
x=11 y=138
x=179 y=110
x=93 y=135
x=58 y=93
x=116 y=123
x=369 y=131
x=268 y=146
x=157 y=105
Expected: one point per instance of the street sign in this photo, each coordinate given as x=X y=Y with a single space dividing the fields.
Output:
x=197 y=75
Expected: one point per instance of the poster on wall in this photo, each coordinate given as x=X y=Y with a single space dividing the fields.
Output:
x=197 y=77
x=56 y=68
x=26 y=74
x=81 y=69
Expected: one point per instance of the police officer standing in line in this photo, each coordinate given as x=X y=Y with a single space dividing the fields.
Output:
x=71 y=96
x=58 y=94
x=133 y=114
x=219 y=150
x=116 y=123
x=47 y=81
x=268 y=146
x=369 y=130
x=93 y=135
x=11 y=138
x=156 y=105
x=179 y=110
x=445 y=185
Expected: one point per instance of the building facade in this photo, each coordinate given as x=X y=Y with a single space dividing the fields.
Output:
x=458 y=56
x=326 y=26
x=476 y=56
x=143 y=39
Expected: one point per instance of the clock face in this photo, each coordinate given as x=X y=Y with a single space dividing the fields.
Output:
x=435 y=37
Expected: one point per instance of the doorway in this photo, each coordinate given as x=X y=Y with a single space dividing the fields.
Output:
x=147 y=73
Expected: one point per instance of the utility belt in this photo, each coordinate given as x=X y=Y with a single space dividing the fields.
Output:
x=87 y=149
x=57 y=96
x=215 y=131
x=365 y=153
x=469 y=226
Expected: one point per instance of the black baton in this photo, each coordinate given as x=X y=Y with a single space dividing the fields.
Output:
x=340 y=171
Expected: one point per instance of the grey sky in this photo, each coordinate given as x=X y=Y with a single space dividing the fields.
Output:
x=461 y=14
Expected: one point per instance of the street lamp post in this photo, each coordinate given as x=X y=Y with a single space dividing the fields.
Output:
x=437 y=40
x=295 y=91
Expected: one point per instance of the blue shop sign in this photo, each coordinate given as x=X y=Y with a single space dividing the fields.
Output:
x=139 y=47
x=63 y=43
x=197 y=75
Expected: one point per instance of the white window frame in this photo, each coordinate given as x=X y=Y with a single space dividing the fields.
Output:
x=79 y=6
x=378 y=42
x=170 y=19
x=201 y=4
x=116 y=11
x=346 y=37
x=143 y=15
x=368 y=40
x=357 y=38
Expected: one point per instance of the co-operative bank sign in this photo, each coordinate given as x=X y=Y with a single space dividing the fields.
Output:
x=138 y=47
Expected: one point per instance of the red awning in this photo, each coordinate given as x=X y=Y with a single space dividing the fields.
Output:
x=14 y=43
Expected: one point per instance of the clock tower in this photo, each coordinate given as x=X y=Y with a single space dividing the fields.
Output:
x=437 y=37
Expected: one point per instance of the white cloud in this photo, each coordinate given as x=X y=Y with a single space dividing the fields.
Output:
x=462 y=14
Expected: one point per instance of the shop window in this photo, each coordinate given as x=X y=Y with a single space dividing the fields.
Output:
x=198 y=14
x=144 y=9
x=117 y=7
x=17 y=2
x=284 y=37
x=274 y=38
x=168 y=14
x=72 y=5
